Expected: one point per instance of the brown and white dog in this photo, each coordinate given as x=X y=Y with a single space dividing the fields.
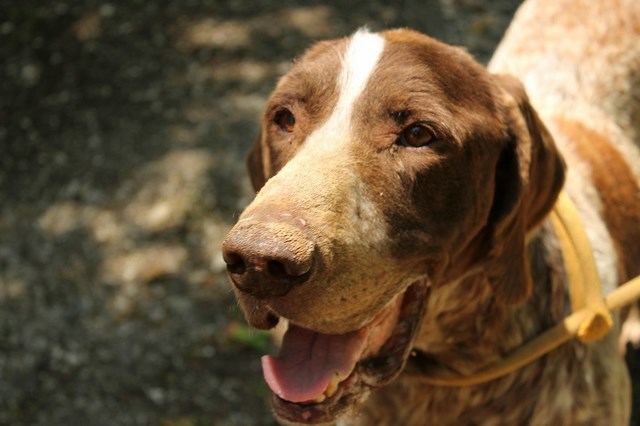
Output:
x=401 y=216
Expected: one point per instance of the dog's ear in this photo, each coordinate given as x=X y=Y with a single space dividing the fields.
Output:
x=256 y=165
x=529 y=176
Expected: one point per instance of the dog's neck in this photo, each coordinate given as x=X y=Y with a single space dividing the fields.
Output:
x=465 y=329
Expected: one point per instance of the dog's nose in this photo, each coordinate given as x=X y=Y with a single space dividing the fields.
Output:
x=267 y=259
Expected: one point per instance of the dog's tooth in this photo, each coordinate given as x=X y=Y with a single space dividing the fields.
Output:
x=332 y=387
x=321 y=398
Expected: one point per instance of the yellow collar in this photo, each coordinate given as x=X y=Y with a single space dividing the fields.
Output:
x=589 y=321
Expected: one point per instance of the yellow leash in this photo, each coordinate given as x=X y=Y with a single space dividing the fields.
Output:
x=591 y=317
x=584 y=282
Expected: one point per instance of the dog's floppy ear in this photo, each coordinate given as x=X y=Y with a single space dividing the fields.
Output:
x=529 y=176
x=256 y=165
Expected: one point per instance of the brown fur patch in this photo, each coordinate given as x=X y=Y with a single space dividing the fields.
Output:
x=618 y=190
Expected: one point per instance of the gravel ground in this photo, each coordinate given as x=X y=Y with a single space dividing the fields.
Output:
x=123 y=127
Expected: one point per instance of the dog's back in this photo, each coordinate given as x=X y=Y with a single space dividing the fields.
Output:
x=579 y=59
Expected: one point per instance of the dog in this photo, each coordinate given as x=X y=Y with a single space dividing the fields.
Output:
x=402 y=219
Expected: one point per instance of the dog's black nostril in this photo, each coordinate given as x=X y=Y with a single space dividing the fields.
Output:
x=235 y=264
x=277 y=269
x=271 y=320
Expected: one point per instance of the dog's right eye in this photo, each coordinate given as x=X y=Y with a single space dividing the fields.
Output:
x=416 y=135
x=285 y=120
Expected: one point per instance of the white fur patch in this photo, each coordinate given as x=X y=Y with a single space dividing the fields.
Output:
x=362 y=55
x=359 y=61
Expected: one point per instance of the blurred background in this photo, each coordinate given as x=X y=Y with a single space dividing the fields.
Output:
x=123 y=130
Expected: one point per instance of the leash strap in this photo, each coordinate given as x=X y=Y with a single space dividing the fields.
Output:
x=585 y=288
x=591 y=317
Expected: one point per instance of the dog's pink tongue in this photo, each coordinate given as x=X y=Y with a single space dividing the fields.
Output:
x=307 y=361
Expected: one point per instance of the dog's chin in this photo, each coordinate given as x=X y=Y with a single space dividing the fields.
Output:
x=378 y=364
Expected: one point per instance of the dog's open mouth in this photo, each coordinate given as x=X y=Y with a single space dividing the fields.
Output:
x=317 y=377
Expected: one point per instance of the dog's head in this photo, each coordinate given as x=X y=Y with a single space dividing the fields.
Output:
x=387 y=164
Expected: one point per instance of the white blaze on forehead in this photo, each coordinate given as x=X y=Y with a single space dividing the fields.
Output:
x=362 y=54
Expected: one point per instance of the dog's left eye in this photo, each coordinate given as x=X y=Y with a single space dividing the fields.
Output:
x=285 y=120
x=416 y=135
